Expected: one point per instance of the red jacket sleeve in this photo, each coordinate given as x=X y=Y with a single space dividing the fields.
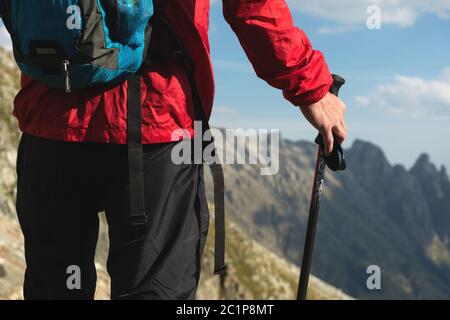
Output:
x=280 y=53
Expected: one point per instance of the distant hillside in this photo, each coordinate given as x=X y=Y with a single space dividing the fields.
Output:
x=9 y=84
x=374 y=213
x=9 y=132
x=257 y=273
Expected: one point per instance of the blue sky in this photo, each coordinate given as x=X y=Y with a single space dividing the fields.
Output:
x=398 y=77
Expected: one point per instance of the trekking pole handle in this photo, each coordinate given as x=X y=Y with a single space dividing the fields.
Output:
x=338 y=82
x=336 y=160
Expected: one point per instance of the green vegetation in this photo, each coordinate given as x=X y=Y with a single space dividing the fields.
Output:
x=256 y=273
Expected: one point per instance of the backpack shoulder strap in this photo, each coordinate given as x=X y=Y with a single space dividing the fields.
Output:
x=220 y=267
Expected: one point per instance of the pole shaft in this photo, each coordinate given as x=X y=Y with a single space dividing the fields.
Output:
x=319 y=176
x=312 y=226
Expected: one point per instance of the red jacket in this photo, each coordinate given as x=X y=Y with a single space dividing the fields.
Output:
x=281 y=54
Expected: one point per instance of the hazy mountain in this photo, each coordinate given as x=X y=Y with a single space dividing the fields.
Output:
x=372 y=214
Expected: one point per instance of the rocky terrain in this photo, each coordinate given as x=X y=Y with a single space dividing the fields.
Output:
x=254 y=271
x=375 y=213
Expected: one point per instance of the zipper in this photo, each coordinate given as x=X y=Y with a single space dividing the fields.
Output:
x=67 y=83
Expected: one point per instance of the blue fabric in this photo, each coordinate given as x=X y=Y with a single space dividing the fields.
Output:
x=37 y=20
x=133 y=18
x=47 y=20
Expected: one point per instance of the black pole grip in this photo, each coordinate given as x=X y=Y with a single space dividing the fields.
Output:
x=338 y=82
x=336 y=160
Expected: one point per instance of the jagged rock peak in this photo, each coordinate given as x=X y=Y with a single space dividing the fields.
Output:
x=424 y=165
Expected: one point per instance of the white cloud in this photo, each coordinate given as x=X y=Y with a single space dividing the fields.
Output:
x=337 y=29
x=413 y=97
x=226 y=111
x=402 y=13
x=362 y=101
x=446 y=74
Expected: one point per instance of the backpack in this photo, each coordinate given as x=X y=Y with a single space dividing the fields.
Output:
x=103 y=42
x=79 y=43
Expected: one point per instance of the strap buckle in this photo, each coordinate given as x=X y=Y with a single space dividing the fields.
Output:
x=222 y=271
x=139 y=220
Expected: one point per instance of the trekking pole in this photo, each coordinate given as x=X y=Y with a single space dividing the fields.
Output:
x=336 y=162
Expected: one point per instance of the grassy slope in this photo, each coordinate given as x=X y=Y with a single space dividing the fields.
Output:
x=256 y=273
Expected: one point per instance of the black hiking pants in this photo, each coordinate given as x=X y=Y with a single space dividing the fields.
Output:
x=62 y=186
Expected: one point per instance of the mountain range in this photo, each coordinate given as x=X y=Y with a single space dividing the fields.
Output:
x=254 y=271
x=375 y=213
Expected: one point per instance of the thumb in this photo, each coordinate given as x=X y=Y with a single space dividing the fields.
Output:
x=328 y=141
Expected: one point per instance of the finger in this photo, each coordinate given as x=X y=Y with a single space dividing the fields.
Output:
x=340 y=133
x=343 y=106
x=344 y=125
x=328 y=141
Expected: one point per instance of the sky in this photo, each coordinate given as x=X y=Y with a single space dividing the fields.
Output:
x=398 y=75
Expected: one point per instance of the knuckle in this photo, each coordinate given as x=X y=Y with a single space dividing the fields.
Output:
x=325 y=127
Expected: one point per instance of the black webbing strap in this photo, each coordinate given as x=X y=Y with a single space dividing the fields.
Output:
x=135 y=155
x=220 y=267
